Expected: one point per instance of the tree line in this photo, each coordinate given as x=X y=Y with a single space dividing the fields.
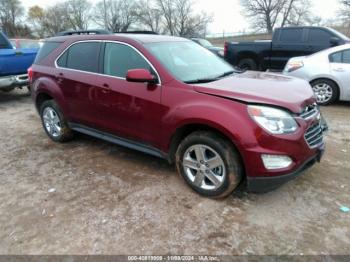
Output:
x=174 y=17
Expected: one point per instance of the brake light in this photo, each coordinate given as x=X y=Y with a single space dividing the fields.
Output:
x=30 y=74
x=225 y=48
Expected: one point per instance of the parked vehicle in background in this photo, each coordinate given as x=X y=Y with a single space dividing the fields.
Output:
x=171 y=98
x=327 y=71
x=286 y=43
x=219 y=51
x=25 y=43
x=14 y=64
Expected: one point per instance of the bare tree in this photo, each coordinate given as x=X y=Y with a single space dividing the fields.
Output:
x=55 y=19
x=267 y=14
x=78 y=14
x=117 y=15
x=345 y=12
x=149 y=16
x=36 y=18
x=11 y=12
x=180 y=19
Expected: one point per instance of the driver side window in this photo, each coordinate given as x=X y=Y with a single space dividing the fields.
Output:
x=119 y=58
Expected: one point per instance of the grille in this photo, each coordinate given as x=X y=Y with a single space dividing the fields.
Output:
x=310 y=111
x=314 y=135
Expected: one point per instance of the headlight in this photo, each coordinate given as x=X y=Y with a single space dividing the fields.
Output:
x=273 y=120
x=293 y=65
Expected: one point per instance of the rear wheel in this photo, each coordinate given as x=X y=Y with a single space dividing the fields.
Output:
x=247 y=64
x=209 y=164
x=54 y=123
x=326 y=91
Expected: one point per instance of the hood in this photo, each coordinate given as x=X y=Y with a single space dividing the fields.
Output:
x=262 y=88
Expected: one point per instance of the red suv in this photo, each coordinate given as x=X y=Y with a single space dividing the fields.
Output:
x=171 y=98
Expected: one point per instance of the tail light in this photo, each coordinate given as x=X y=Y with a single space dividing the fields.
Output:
x=30 y=74
x=225 y=48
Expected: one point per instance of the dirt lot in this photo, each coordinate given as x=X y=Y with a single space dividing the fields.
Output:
x=111 y=200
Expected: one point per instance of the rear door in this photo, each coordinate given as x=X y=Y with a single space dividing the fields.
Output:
x=318 y=39
x=131 y=110
x=77 y=75
x=340 y=69
x=289 y=42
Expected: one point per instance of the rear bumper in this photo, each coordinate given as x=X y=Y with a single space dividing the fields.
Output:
x=13 y=81
x=266 y=184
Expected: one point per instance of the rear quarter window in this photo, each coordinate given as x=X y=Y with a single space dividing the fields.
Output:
x=45 y=50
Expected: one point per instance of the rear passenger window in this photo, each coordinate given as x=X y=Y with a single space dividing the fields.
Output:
x=346 y=57
x=340 y=57
x=82 y=56
x=119 y=58
x=319 y=36
x=292 y=35
x=336 y=57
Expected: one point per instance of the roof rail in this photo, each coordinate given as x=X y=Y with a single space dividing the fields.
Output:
x=138 y=32
x=84 y=32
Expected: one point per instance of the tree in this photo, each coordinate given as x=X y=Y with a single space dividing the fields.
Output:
x=345 y=12
x=149 y=16
x=267 y=14
x=36 y=17
x=11 y=12
x=116 y=15
x=55 y=19
x=78 y=14
x=180 y=19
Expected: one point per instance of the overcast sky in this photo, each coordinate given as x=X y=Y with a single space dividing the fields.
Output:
x=227 y=13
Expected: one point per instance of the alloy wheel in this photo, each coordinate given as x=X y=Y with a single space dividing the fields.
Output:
x=204 y=167
x=52 y=122
x=323 y=92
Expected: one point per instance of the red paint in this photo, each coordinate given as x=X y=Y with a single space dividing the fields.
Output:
x=152 y=113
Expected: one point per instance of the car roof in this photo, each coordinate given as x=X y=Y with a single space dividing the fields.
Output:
x=141 y=38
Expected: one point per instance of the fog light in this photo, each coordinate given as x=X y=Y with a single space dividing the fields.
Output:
x=276 y=161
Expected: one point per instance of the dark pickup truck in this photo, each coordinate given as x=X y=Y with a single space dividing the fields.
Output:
x=287 y=42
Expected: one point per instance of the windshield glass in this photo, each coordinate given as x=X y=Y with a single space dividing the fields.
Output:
x=205 y=43
x=342 y=36
x=190 y=62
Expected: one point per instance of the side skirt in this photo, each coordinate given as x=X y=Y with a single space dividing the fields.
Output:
x=118 y=140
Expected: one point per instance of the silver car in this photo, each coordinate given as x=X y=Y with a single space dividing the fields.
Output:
x=327 y=71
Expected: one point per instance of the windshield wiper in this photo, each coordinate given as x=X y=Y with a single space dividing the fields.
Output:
x=201 y=80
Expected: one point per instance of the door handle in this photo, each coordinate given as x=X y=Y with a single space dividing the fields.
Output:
x=18 y=53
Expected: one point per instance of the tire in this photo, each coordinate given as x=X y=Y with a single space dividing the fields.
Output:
x=54 y=123
x=228 y=173
x=326 y=91
x=247 y=64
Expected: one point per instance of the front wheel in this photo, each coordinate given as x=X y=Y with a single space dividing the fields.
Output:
x=247 y=64
x=209 y=164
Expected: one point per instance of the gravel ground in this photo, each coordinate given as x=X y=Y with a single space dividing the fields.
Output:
x=92 y=197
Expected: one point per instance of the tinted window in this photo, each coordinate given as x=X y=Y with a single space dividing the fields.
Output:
x=62 y=61
x=346 y=57
x=45 y=50
x=291 y=35
x=84 y=56
x=4 y=44
x=319 y=36
x=336 y=57
x=119 y=58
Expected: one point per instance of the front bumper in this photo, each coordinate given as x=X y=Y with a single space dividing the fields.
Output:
x=8 y=82
x=266 y=184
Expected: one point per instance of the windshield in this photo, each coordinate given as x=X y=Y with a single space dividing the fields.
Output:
x=205 y=43
x=190 y=62
x=342 y=36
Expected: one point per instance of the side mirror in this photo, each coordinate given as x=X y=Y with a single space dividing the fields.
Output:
x=334 y=41
x=140 y=76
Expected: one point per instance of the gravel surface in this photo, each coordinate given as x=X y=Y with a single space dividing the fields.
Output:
x=91 y=197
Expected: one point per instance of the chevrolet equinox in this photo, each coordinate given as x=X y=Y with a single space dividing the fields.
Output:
x=171 y=98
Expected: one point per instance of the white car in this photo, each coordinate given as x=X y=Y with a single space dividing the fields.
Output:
x=328 y=73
